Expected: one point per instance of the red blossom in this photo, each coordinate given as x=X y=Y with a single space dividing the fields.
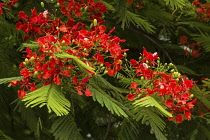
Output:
x=21 y=94
x=179 y=118
x=22 y=15
x=131 y=97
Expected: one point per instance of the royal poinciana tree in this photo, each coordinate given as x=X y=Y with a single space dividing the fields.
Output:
x=127 y=70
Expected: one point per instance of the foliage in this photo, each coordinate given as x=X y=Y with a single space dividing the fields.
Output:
x=75 y=78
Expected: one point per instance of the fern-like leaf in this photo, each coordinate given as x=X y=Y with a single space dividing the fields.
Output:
x=175 y=4
x=150 y=101
x=105 y=100
x=7 y=80
x=64 y=128
x=184 y=69
x=51 y=96
x=4 y=136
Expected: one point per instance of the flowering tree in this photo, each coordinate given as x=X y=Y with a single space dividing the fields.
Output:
x=78 y=79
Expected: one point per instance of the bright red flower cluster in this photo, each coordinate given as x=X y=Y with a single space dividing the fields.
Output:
x=203 y=10
x=8 y=4
x=173 y=89
x=91 y=45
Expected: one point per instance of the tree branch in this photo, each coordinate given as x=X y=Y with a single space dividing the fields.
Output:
x=108 y=126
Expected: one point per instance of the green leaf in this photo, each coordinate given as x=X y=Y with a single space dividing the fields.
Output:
x=51 y=96
x=184 y=69
x=175 y=4
x=4 y=136
x=64 y=128
x=150 y=101
x=78 y=61
x=105 y=100
x=7 y=80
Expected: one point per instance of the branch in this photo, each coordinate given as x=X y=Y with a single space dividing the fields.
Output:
x=108 y=126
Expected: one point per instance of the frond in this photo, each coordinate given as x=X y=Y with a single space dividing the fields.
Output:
x=200 y=95
x=123 y=81
x=148 y=115
x=150 y=101
x=65 y=128
x=7 y=80
x=104 y=99
x=128 y=130
x=29 y=116
x=194 y=25
x=204 y=39
x=184 y=69
x=175 y=4
x=137 y=20
x=51 y=96
x=4 y=136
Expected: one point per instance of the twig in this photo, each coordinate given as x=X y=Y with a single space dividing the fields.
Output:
x=108 y=126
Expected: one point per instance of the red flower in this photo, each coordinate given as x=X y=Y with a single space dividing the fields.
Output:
x=133 y=85
x=14 y=83
x=22 y=15
x=21 y=94
x=183 y=39
x=1 y=11
x=169 y=103
x=25 y=72
x=88 y=92
x=1 y=5
x=196 y=2
x=187 y=115
x=179 y=118
x=131 y=97
x=199 y=10
x=19 y=25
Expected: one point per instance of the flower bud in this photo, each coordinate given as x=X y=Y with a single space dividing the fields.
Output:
x=26 y=60
x=42 y=4
x=86 y=8
x=176 y=75
x=191 y=96
x=95 y=22
x=91 y=25
x=50 y=58
x=58 y=4
x=63 y=42
x=35 y=74
x=125 y=54
x=32 y=59
x=172 y=71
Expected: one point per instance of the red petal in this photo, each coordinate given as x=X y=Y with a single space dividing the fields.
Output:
x=131 y=97
x=133 y=85
x=21 y=94
x=14 y=83
x=169 y=103
x=88 y=92
x=133 y=62
x=188 y=115
x=179 y=118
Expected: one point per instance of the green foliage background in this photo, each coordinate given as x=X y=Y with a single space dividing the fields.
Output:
x=157 y=25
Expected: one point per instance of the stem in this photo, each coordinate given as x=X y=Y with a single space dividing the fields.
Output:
x=108 y=126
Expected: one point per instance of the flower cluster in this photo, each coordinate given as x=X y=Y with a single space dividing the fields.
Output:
x=173 y=88
x=192 y=49
x=88 y=45
x=203 y=10
x=8 y=4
